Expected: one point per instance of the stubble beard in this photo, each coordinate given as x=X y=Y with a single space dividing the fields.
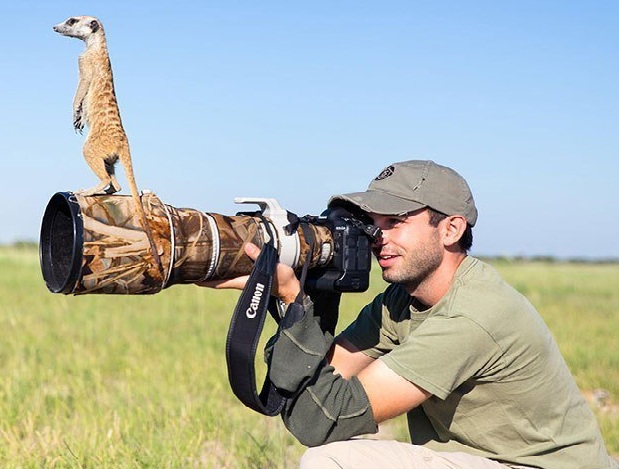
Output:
x=416 y=267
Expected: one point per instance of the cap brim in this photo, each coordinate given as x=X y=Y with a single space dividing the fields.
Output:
x=378 y=202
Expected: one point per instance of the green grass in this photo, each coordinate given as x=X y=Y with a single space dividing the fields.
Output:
x=141 y=382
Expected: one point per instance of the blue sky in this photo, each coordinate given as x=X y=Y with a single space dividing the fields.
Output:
x=302 y=100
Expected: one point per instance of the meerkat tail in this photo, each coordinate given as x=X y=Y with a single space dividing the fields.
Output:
x=137 y=200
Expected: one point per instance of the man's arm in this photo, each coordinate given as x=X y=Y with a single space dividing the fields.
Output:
x=324 y=406
x=347 y=359
x=347 y=397
x=389 y=394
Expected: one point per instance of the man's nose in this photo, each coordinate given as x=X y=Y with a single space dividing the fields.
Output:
x=380 y=239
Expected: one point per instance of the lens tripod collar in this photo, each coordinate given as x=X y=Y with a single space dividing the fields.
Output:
x=289 y=244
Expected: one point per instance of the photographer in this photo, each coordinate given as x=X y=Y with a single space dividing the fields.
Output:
x=449 y=343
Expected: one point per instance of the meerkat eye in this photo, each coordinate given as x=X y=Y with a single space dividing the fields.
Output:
x=71 y=21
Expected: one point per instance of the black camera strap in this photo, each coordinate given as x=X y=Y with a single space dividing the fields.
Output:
x=244 y=333
x=247 y=324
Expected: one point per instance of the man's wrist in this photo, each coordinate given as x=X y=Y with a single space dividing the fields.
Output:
x=288 y=298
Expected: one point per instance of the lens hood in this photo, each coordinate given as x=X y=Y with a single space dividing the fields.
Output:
x=61 y=243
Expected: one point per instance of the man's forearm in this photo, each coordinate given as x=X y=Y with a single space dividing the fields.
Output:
x=323 y=406
x=330 y=409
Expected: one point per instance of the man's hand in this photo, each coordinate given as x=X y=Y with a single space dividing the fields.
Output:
x=286 y=286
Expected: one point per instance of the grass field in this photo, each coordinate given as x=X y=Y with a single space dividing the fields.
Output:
x=141 y=382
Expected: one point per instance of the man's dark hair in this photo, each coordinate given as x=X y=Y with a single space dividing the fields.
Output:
x=466 y=240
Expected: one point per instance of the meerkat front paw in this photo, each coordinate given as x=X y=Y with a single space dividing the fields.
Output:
x=78 y=121
x=78 y=125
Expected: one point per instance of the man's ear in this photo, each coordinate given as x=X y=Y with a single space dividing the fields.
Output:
x=453 y=229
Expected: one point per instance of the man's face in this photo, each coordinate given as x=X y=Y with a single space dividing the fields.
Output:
x=409 y=249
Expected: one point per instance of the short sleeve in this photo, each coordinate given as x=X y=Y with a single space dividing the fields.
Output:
x=376 y=331
x=443 y=353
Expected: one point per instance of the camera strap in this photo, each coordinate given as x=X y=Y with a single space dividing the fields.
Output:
x=244 y=333
x=247 y=324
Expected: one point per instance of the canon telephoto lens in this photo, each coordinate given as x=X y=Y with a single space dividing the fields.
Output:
x=97 y=244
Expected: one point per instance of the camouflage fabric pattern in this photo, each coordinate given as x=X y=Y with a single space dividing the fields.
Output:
x=192 y=245
x=116 y=255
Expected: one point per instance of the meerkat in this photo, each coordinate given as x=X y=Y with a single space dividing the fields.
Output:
x=95 y=106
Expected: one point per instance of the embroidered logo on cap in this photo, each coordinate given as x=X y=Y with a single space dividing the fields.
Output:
x=388 y=171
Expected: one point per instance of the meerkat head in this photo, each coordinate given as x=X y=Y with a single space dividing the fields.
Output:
x=80 y=27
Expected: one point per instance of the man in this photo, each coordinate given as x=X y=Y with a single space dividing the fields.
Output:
x=449 y=343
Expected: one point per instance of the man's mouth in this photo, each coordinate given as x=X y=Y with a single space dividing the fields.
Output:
x=386 y=260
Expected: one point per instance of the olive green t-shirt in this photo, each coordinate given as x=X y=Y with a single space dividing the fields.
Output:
x=500 y=387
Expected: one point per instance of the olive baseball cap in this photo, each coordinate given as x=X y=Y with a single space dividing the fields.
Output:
x=407 y=186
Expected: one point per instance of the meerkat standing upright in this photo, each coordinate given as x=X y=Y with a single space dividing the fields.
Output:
x=95 y=106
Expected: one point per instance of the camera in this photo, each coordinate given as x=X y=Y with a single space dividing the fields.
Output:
x=96 y=244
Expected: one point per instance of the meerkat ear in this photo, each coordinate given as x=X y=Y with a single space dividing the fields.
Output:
x=94 y=25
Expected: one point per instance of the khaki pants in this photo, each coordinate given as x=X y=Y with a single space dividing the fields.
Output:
x=386 y=454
